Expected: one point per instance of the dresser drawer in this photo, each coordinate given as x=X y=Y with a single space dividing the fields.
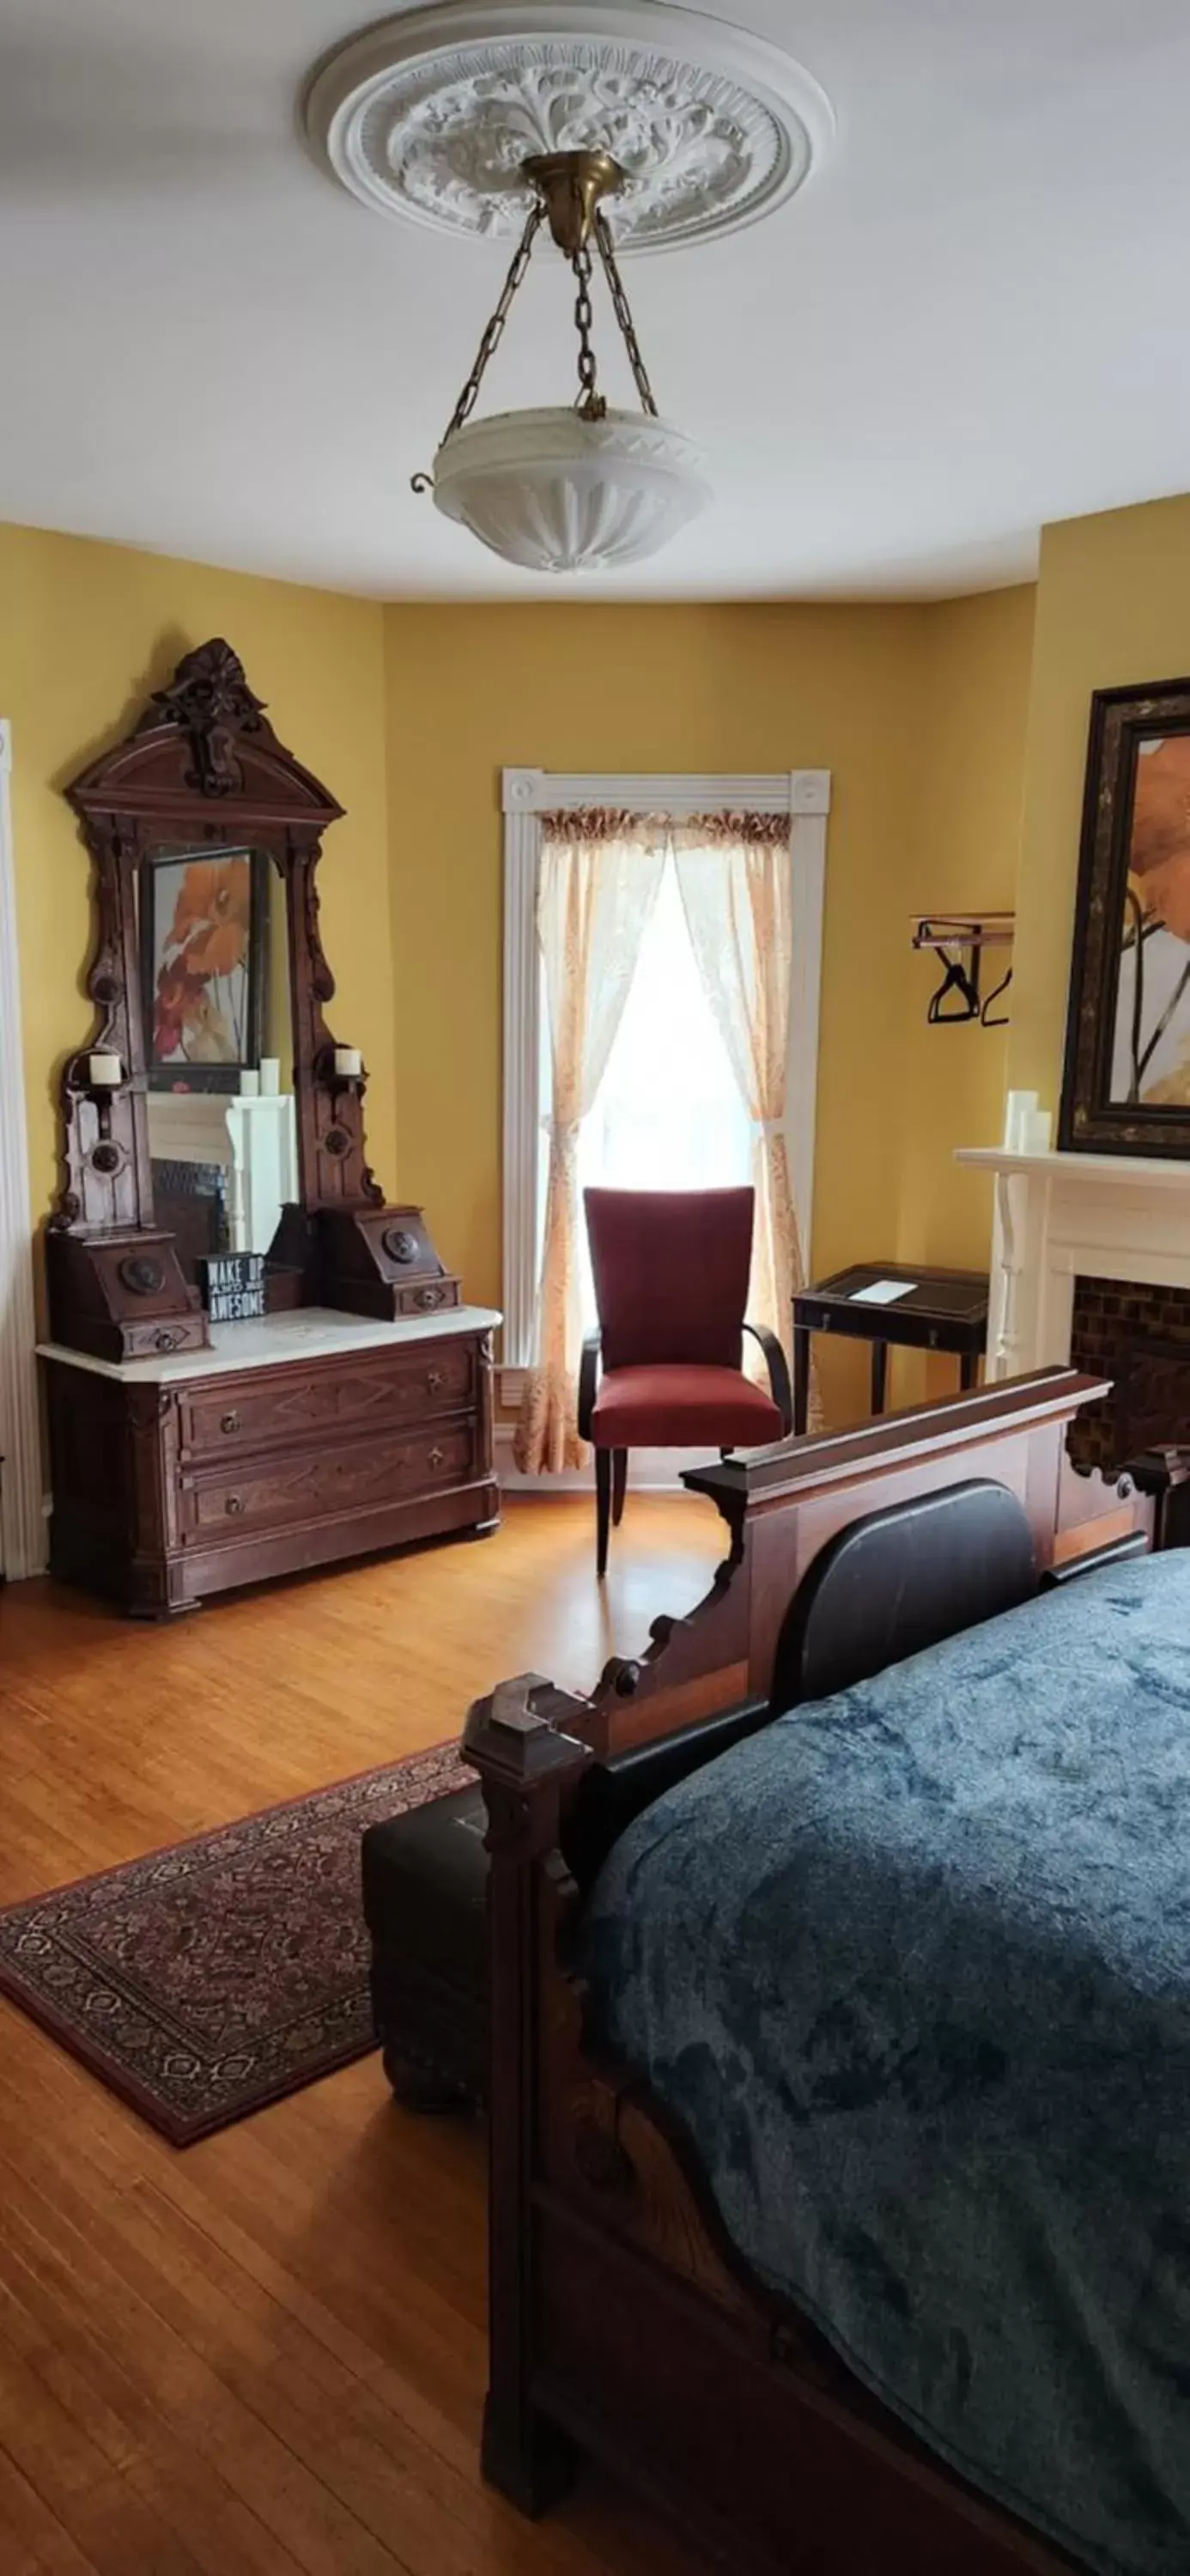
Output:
x=356 y=1476
x=435 y=1377
x=433 y=1296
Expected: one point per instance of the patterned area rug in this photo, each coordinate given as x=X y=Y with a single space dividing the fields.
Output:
x=212 y=1977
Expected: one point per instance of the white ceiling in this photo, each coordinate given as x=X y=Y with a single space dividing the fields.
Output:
x=973 y=319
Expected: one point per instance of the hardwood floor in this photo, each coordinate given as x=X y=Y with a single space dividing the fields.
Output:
x=266 y=2352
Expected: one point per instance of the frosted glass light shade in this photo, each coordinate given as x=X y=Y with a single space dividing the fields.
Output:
x=560 y=494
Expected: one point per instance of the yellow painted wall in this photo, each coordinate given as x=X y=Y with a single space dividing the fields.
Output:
x=976 y=695
x=917 y=712
x=86 y=630
x=409 y=714
x=1113 y=605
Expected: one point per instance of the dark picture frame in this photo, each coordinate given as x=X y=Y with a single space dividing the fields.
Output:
x=1126 y=1078
x=203 y=960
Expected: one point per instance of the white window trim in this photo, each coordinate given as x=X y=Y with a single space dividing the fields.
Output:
x=23 y=1508
x=527 y=794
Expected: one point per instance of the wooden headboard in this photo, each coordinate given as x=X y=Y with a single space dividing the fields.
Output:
x=784 y=1505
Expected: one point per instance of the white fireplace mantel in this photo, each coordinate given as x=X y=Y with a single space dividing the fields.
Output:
x=1064 y=1216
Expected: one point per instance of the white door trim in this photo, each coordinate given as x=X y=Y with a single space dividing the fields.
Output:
x=22 y=1514
x=526 y=794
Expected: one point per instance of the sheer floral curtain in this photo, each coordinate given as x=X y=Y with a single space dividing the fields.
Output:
x=736 y=885
x=597 y=884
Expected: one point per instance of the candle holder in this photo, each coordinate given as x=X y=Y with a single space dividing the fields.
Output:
x=342 y=1070
x=339 y=1072
x=116 y=1286
x=105 y=1076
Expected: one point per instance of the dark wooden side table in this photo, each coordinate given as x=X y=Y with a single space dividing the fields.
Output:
x=939 y=1310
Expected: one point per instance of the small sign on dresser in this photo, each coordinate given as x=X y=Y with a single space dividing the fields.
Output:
x=232 y=1285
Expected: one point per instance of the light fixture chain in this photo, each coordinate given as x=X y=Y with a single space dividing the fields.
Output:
x=590 y=402
x=623 y=312
x=492 y=335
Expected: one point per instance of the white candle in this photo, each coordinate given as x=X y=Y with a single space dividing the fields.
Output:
x=1018 y=1109
x=348 y=1060
x=249 y=1083
x=1037 y=1132
x=104 y=1072
x=270 y=1076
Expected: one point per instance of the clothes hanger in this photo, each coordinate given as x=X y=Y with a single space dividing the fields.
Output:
x=956 y=979
x=1002 y=1017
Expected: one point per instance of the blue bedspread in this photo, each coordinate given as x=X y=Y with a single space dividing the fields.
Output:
x=913 y=1966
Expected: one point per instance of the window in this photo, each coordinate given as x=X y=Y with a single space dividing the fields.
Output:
x=668 y=1112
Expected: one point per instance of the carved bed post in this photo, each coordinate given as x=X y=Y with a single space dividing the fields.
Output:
x=525 y=1758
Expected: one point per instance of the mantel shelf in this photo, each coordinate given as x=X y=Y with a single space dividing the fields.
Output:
x=1131 y=1171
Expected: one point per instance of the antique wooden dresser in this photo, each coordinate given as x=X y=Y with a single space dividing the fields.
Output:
x=354 y=1413
x=290 y=1443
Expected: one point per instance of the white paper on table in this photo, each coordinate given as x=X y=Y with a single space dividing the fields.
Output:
x=883 y=1292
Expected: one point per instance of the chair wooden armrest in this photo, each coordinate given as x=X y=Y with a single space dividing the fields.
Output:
x=588 y=1379
x=778 y=1367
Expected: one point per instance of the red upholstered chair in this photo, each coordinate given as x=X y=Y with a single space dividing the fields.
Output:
x=671 y=1278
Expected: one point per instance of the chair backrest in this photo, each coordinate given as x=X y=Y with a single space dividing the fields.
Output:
x=671 y=1274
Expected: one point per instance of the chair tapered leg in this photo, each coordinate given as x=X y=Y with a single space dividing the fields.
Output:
x=603 y=1505
x=619 y=1485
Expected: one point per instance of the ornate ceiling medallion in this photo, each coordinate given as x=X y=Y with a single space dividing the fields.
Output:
x=431 y=115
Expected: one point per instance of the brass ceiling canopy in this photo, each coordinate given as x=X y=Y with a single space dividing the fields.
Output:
x=570 y=185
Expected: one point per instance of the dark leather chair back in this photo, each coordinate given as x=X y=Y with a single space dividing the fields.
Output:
x=671 y=1275
x=900 y=1580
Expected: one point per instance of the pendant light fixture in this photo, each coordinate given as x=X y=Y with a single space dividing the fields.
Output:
x=496 y=118
x=583 y=487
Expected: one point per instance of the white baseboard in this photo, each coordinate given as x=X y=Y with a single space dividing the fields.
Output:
x=650 y=1471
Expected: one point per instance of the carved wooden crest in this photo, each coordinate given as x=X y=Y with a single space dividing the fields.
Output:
x=210 y=700
x=204 y=756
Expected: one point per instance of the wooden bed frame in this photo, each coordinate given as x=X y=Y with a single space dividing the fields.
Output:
x=623 y=2323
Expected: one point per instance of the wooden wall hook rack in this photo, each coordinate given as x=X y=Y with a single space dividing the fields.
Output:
x=960 y=939
x=963 y=929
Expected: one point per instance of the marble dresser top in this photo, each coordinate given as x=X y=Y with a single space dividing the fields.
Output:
x=308 y=1333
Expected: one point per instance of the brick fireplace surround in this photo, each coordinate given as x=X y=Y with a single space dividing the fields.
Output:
x=1090 y=1265
x=1140 y=1338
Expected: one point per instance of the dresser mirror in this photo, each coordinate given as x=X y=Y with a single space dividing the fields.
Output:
x=215 y=985
x=212 y=1108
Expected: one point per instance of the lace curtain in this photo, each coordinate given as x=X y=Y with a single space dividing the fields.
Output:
x=596 y=887
x=598 y=881
x=736 y=887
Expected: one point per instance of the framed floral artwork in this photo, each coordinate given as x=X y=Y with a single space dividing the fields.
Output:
x=1126 y=1086
x=203 y=928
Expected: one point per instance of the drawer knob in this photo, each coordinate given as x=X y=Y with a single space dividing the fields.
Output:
x=437 y=1458
x=433 y=1381
x=234 y=1503
x=429 y=1296
x=229 y=1422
